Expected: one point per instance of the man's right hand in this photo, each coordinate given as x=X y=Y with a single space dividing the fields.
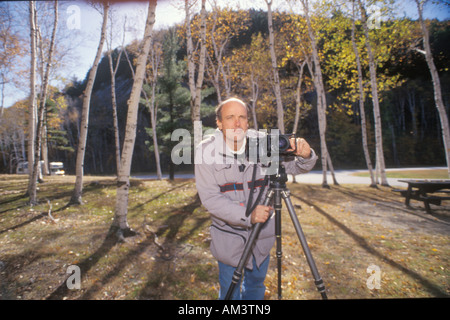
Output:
x=261 y=214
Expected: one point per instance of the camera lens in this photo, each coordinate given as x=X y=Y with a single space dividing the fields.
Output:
x=283 y=143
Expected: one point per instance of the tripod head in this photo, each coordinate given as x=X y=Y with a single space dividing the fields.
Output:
x=279 y=178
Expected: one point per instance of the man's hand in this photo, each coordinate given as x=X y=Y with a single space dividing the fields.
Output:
x=303 y=149
x=260 y=214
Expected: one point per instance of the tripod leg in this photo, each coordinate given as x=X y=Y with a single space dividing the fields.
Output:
x=317 y=279
x=277 y=208
x=247 y=251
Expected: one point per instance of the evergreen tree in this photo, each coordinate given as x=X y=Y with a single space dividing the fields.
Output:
x=172 y=98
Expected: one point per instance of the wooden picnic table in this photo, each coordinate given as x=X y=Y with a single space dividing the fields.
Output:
x=425 y=191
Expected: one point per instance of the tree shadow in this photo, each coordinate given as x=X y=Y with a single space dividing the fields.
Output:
x=429 y=286
x=51 y=197
x=153 y=288
x=139 y=206
x=85 y=265
x=174 y=222
x=396 y=205
x=20 y=263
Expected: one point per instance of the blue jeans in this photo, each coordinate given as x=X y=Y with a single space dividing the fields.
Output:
x=253 y=285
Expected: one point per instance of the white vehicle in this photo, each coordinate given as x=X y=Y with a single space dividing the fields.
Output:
x=57 y=168
x=22 y=167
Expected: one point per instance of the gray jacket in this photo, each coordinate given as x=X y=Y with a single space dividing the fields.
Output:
x=222 y=182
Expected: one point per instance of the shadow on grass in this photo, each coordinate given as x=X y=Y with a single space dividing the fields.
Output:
x=429 y=286
x=141 y=205
x=174 y=222
x=56 y=196
x=393 y=204
x=85 y=265
x=153 y=288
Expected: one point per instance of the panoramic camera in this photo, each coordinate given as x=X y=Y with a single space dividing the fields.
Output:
x=265 y=147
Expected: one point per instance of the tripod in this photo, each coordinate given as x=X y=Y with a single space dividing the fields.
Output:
x=277 y=191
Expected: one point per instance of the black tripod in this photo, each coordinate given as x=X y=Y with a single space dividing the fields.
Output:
x=277 y=190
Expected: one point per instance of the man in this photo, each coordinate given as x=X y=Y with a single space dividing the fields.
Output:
x=225 y=178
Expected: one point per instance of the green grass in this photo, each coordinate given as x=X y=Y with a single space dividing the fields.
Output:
x=412 y=174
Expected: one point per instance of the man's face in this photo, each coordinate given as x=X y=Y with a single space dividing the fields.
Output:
x=234 y=123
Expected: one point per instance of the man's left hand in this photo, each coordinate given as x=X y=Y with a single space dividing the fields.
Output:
x=303 y=149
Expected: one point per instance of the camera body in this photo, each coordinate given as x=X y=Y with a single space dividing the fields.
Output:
x=268 y=147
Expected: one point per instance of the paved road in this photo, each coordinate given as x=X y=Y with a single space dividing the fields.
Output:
x=347 y=176
x=315 y=177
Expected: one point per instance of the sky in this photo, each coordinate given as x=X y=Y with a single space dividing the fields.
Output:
x=83 y=24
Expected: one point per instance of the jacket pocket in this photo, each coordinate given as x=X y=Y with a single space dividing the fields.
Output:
x=227 y=246
x=222 y=174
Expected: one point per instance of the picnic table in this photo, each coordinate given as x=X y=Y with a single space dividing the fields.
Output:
x=427 y=191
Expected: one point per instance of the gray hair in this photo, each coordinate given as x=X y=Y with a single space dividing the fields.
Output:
x=220 y=106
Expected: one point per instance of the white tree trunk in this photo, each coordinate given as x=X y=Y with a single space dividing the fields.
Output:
x=255 y=95
x=376 y=105
x=276 y=77
x=113 y=71
x=298 y=97
x=321 y=98
x=37 y=169
x=77 y=194
x=153 y=113
x=436 y=86
x=195 y=86
x=361 y=102
x=32 y=106
x=123 y=180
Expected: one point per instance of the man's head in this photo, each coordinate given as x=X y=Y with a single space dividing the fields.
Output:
x=231 y=119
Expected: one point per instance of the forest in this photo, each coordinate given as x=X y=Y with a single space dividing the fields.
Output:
x=270 y=59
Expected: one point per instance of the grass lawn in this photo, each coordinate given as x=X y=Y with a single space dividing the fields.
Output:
x=349 y=228
x=412 y=174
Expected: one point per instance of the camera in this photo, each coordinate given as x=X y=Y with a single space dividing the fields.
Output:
x=267 y=147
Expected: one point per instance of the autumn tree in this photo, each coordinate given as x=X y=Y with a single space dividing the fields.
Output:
x=120 y=223
x=316 y=71
x=113 y=33
x=11 y=50
x=436 y=83
x=294 y=35
x=249 y=71
x=222 y=26
x=39 y=137
x=275 y=74
x=361 y=99
x=149 y=99
x=380 y=164
x=77 y=193
x=33 y=98
x=13 y=134
x=196 y=67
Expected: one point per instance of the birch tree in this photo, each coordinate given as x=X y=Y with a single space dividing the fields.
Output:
x=249 y=69
x=276 y=76
x=380 y=166
x=316 y=71
x=11 y=50
x=149 y=89
x=195 y=85
x=120 y=223
x=436 y=83
x=113 y=71
x=47 y=64
x=32 y=99
x=77 y=193
x=225 y=24
x=361 y=99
